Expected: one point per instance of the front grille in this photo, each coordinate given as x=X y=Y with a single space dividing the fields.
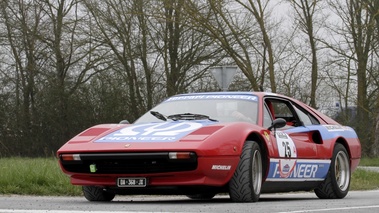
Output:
x=129 y=163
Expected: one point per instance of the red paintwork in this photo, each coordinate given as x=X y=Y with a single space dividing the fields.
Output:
x=218 y=144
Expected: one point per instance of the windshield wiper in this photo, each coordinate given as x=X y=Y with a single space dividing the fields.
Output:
x=158 y=115
x=189 y=116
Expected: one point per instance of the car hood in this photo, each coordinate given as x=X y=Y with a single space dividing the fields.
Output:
x=170 y=135
x=153 y=132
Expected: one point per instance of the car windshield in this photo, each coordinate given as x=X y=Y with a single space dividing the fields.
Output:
x=221 y=108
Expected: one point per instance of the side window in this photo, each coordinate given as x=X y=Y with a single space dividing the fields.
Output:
x=306 y=118
x=267 y=120
x=291 y=112
x=281 y=108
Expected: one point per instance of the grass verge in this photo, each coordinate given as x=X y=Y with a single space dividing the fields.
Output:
x=42 y=176
x=34 y=176
x=364 y=180
x=369 y=162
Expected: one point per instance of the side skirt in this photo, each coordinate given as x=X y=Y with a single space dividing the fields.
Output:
x=285 y=186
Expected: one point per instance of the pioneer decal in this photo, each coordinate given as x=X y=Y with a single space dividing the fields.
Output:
x=297 y=170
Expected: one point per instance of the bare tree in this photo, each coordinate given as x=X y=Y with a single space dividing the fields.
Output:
x=22 y=21
x=143 y=46
x=187 y=52
x=358 y=31
x=373 y=9
x=259 y=10
x=71 y=59
x=229 y=25
x=52 y=58
x=115 y=25
x=305 y=14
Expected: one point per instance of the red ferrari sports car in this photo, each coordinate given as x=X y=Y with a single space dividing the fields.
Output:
x=202 y=144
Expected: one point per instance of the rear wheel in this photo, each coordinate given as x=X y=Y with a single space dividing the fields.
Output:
x=337 y=182
x=246 y=183
x=93 y=193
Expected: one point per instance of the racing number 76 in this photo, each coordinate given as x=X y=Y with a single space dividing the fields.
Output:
x=287 y=149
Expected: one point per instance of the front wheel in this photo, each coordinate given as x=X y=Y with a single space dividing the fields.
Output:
x=94 y=193
x=337 y=182
x=246 y=183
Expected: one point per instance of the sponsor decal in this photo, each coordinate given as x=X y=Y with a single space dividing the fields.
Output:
x=282 y=135
x=267 y=136
x=327 y=131
x=152 y=132
x=334 y=128
x=92 y=168
x=221 y=167
x=286 y=146
x=297 y=170
x=199 y=97
x=286 y=167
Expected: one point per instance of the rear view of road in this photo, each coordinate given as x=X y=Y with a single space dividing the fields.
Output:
x=356 y=201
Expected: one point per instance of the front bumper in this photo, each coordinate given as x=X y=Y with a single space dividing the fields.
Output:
x=203 y=171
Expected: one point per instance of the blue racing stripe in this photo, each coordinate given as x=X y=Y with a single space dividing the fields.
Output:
x=327 y=131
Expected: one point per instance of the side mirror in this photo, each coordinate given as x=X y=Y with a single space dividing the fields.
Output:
x=124 y=122
x=278 y=123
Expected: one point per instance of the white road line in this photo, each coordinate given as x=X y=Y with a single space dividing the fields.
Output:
x=334 y=209
x=59 y=211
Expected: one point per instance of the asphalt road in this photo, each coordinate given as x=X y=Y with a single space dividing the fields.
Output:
x=355 y=201
x=370 y=168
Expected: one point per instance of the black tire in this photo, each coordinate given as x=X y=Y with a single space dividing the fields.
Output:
x=202 y=196
x=93 y=193
x=337 y=182
x=246 y=183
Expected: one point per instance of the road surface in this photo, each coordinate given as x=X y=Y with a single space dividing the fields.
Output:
x=355 y=201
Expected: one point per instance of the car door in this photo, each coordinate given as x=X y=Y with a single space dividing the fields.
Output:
x=296 y=145
x=294 y=140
